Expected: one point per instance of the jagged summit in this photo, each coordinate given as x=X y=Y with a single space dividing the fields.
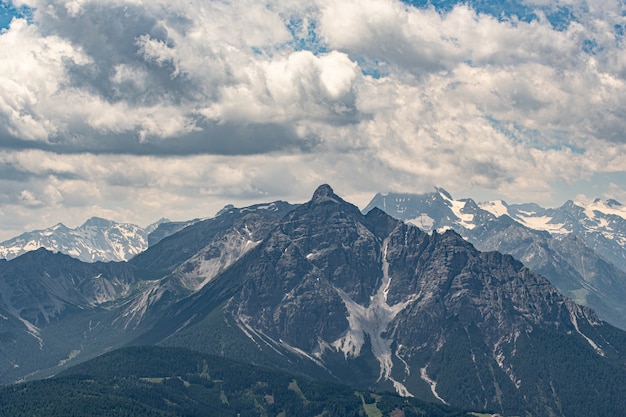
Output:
x=443 y=192
x=376 y=302
x=325 y=193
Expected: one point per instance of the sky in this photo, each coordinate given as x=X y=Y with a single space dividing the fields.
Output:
x=133 y=110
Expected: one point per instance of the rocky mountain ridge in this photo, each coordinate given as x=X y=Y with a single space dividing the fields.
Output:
x=572 y=246
x=97 y=306
x=601 y=223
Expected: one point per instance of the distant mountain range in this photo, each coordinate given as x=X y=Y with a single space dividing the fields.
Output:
x=580 y=248
x=327 y=291
x=95 y=240
x=601 y=224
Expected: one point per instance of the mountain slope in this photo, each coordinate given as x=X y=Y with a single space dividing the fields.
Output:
x=96 y=240
x=59 y=309
x=324 y=290
x=377 y=303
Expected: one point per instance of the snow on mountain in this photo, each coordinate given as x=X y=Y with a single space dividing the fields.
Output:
x=96 y=240
x=497 y=207
x=324 y=290
x=594 y=215
x=608 y=207
x=601 y=223
x=580 y=247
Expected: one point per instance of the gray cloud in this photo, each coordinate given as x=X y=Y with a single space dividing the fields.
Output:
x=207 y=138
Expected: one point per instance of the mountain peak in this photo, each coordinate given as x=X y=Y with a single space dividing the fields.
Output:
x=97 y=222
x=324 y=193
x=226 y=209
x=444 y=193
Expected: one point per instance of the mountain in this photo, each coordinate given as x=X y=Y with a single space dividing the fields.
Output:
x=167 y=228
x=56 y=310
x=560 y=244
x=151 y=381
x=96 y=240
x=376 y=303
x=601 y=224
x=323 y=290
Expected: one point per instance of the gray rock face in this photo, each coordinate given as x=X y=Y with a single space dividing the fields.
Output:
x=165 y=229
x=39 y=286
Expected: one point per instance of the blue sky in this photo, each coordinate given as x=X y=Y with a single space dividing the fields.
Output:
x=134 y=110
x=8 y=12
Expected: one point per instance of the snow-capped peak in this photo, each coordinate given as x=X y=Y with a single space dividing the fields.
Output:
x=608 y=207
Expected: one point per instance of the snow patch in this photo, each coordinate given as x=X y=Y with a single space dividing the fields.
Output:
x=423 y=221
x=543 y=223
x=432 y=384
x=465 y=219
x=373 y=321
x=593 y=344
x=497 y=208
x=605 y=207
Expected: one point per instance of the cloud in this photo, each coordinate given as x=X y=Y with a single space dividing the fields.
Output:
x=159 y=106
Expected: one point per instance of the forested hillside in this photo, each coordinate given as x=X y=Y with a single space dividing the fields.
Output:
x=163 y=382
